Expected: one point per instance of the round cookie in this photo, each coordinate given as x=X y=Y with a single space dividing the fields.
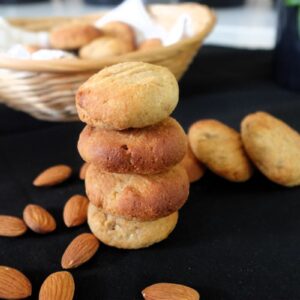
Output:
x=141 y=197
x=105 y=46
x=150 y=44
x=127 y=95
x=148 y=150
x=73 y=35
x=193 y=167
x=273 y=146
x=120 y=30
x=220 y=148
x=121 y=233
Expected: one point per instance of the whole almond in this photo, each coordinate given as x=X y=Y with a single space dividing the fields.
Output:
x=11 y=226
x=83 y=171
x=38 y=219
x=169 y=291
x=13 y=284
x=80 y=250
x=53 y=175
x=75 y=210
x=58 y=286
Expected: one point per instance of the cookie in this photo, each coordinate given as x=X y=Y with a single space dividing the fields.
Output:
x=273 y=146
x=193 y=167
x=220 y=148
x=121 y=233
x=32 y=48
x=120 y=30
x=133 y=196
x=127 y=95
x=82 y=170
x=148 y=150
x=150 y=44
x=104 y=47
x=73 y=35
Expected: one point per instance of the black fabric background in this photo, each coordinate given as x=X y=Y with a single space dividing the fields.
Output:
x=233 y=241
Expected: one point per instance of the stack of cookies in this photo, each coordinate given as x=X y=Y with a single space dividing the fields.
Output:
x=134 y=181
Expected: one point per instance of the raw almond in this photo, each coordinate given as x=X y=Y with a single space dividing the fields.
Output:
x=83 y=171
x=58 y=286
x=53 y=175
x=169 y=291
x=80 y=250
x=13 y=284
x=75 y=210
x=38 y=219
x=11 y=226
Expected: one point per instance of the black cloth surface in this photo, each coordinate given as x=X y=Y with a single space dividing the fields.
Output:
x=233 y=241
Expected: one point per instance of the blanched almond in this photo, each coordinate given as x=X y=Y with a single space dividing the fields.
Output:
x=53 y=175
x=80 y=250
x=75 y=210
x=13 y=284
x=38 y=219
x=11 y=226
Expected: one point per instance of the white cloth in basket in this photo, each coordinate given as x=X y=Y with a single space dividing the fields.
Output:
x=134 y=13
x=10 y=35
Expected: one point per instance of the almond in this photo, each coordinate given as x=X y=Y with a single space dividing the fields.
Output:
x=58 y=286
x=13 y=284
x=169 y=291
x=38 y=219
x=80 y=250
x=83 y=171
x=11 y=226
x=75 y=210
x=53 y=175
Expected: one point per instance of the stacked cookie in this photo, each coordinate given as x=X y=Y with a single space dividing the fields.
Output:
x=134 y=181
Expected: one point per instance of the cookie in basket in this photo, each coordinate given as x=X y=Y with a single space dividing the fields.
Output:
x=127 y=95
x=73 y=35
x=273 y=146
x=150 y=44
x=220 y=148
x=120 y=30
x=105 y=46
x=133 y=196
x=149 y=150
x=129 y=234
x=31 y=48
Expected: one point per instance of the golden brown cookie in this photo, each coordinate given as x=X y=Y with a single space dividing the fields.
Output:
x=32 y=48
x=273 y=146
x=120 y=30
x=73 y=35
x=220 y=148
x=192 y=165
x=127 y=95
x=150 y=44
x=121 y=233
x=133 y=196
x=105 y=46
x=82 y=170
x=147 y=150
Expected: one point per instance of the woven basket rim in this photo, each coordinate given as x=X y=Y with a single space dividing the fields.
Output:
x=85 y=65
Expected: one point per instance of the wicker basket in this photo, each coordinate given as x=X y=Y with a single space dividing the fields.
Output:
x=46 y=89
